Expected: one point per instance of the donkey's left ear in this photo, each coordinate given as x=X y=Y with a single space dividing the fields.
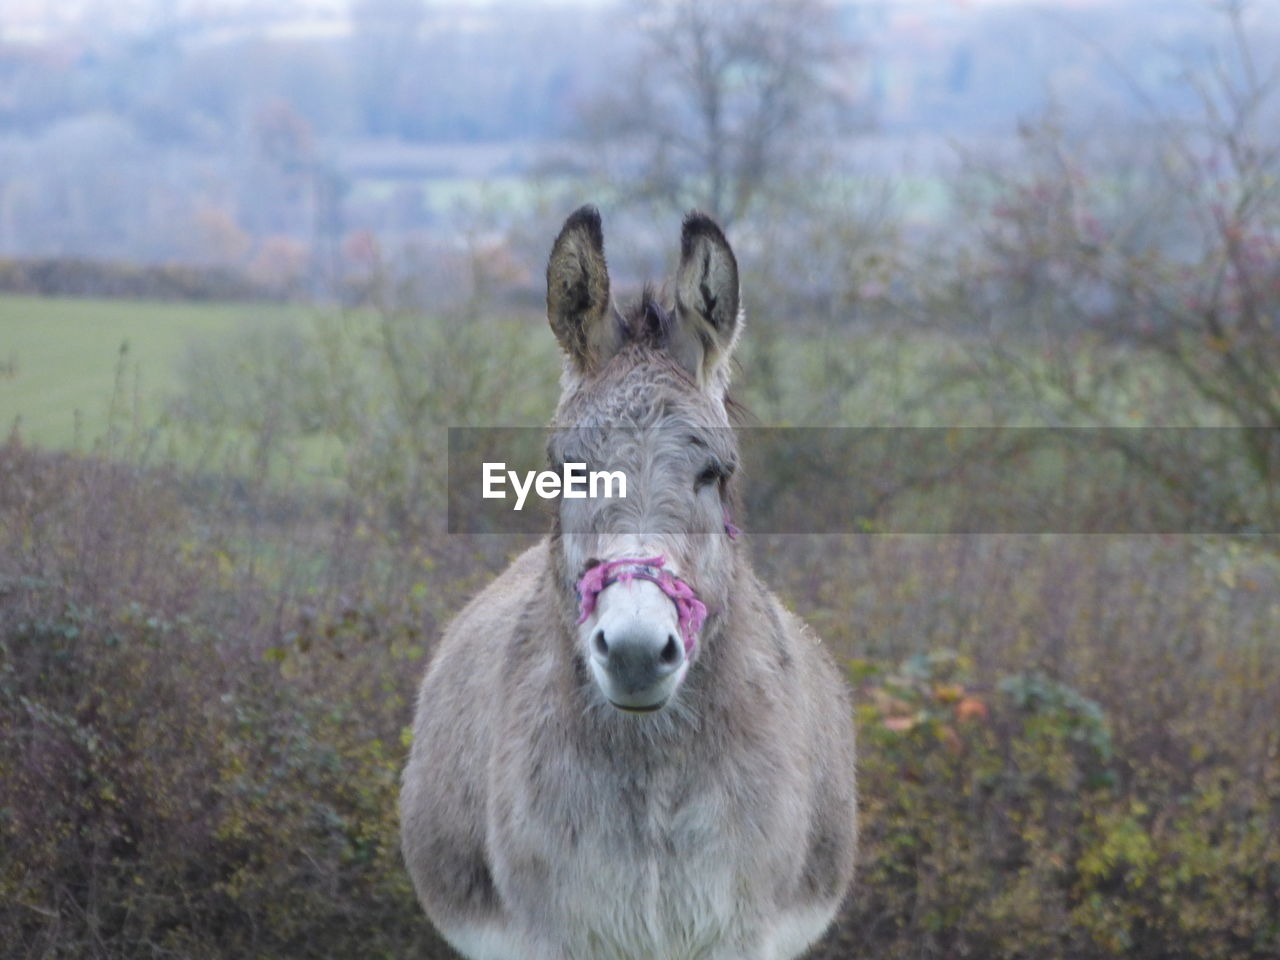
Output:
x=706 y=301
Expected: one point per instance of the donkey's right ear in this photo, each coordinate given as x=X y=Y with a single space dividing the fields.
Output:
x=706 y=301
x=578 y=292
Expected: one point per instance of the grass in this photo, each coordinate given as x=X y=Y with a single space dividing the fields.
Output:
x=60 y=358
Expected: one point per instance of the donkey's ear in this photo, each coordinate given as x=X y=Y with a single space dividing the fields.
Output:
x=578 y=292
x=706 y=299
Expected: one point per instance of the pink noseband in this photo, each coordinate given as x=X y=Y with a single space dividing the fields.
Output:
x=690 y=610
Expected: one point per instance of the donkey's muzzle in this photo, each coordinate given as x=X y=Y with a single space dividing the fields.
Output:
x=639 y=663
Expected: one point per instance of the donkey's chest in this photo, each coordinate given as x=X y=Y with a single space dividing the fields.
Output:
x=654 y=864
x=662 y=881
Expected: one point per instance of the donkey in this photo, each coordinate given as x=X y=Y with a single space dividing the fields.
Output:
x=625 y=747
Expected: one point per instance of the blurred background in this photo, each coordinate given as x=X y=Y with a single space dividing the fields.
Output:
x=283 y=146
x=256 y=258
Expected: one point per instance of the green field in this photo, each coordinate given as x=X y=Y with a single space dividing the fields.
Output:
x=61 y=358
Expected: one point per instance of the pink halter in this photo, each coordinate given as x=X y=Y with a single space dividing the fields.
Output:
x=689 y=609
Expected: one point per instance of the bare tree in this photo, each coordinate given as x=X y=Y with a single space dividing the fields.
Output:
x=1147 y=291
x=721 y=105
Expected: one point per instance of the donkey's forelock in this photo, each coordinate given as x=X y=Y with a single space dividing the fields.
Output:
x=648 y=321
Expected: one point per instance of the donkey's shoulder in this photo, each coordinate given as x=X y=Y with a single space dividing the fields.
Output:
x=469 y=653
x=804 y=673
x=507 y=591
x=818 y=726
x=786 y=634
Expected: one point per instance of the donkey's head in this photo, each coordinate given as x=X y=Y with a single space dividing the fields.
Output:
x=647 y=575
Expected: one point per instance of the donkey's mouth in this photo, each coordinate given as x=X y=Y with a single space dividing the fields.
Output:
x=646 y=709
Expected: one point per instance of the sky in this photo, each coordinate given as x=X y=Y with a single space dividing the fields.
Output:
x=16 y=11
x=34 y=21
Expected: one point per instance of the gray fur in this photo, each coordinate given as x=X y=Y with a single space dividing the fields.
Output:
x=541 y=823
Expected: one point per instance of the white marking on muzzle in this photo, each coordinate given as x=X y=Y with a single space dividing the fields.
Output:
x=633 y=645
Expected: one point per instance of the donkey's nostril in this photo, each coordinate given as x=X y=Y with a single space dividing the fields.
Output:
x=599 y=645
x=671 y=652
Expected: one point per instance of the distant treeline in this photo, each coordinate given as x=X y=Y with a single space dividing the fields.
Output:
x=78 y=277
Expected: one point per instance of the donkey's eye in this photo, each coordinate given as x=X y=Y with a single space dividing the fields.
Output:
x=711 y=473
